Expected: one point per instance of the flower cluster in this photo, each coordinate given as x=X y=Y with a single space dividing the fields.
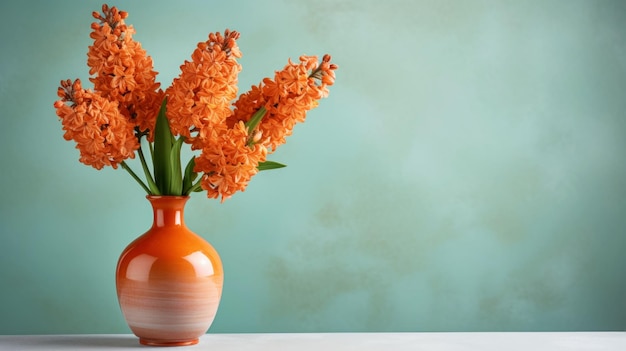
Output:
x=228 y=161
x=200 y=108
x=123 y=70
x=199 y=99
x=295 y=89
x=102 y=134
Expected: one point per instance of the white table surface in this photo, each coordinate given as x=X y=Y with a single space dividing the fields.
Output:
x=613 y=341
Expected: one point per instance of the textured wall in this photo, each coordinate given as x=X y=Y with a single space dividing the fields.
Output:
x=466 y=173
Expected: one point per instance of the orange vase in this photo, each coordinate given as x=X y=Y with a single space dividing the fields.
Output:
x=169 y=280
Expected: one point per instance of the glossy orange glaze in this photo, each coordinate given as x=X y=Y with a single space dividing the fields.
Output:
x=169 y=280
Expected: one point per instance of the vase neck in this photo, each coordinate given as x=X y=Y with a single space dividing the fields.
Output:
x=168 y=210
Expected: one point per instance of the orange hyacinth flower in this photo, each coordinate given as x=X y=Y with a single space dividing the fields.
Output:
x=228 y=161
x=123 y=70
x=295 y=90
x=102 y=134
x=199 y=98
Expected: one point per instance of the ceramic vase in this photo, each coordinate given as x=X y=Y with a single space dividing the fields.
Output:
x=169 y=280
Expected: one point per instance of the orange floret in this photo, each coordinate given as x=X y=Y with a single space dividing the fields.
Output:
x=102 y=134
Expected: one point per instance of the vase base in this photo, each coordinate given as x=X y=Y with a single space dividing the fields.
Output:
x=156 y=342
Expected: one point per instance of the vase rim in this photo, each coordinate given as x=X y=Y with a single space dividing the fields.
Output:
x=149 y=197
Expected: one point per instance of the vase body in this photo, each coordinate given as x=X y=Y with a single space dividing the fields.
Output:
x=169 y=280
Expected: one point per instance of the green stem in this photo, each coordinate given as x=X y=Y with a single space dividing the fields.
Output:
x=151 y=149
x=130 y=171
x=154 y=190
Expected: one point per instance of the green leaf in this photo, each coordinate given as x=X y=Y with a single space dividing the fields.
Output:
x=197 y=187
x=256 y=118
x=189 y=175
x=163 y=141
x=264 y=166
x=176 y=180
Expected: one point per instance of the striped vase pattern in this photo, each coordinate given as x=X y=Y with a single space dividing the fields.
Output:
x=169 y=280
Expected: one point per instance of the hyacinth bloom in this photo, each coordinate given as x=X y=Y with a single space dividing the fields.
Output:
x=295 y=90
x=231 y=135
x=122 y=71
x=229 y=161
x=199 y=99
x=102 y=134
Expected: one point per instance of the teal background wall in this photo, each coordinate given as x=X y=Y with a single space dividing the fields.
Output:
x=466 y=173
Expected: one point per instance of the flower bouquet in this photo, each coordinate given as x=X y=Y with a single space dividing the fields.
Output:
x=127 y=111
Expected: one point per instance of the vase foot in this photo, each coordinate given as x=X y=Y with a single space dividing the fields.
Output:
x=156 y=342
